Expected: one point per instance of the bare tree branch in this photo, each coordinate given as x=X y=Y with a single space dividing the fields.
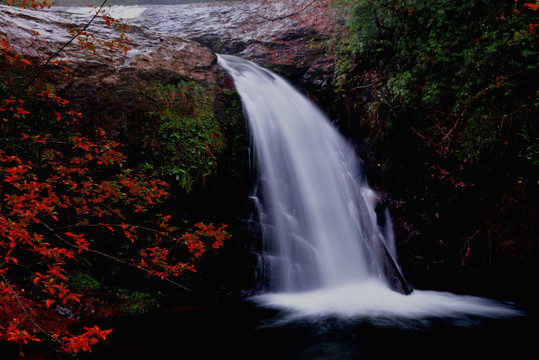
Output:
x=27 y=315
x=42 y=67
x=51 y=229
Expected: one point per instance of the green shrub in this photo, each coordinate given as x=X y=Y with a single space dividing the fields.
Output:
x=470 y=65
x=83 y=282
x=181 y=138
x=136 y=303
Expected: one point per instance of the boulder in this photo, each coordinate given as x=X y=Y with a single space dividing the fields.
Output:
x=39 y=34
x=283 y=35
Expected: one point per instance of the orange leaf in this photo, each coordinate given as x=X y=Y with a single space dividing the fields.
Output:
x=532 y=6
x=22 y=111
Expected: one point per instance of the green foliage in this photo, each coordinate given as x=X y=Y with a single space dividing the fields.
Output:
x=471 y=62
x=447 y=90
x=136 y=303
x=478 y=134
x=531 y=147
x=83 y=282
x=185 y=138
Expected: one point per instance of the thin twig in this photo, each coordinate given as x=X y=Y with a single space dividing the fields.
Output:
x=365 y=86
x=108 y=256
x=502 y=117
x=27 y=315
x=452 y=129
x=119 y=226
x=418 y=134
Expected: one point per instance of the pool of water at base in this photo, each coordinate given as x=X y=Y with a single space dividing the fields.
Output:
x=246 y=331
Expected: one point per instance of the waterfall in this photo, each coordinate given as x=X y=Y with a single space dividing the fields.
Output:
x=326 y=248
x=318 y=212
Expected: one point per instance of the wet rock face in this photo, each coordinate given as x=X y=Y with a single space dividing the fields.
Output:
x=105 y=84
x=39 y=34
x=159 y=34
x=264 y=33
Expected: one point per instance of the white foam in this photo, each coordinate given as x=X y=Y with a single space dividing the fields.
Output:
x=373 y=299
x=125 y=12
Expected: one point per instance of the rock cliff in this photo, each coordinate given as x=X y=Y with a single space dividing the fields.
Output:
x=127 y=93
x=40 y=34
x=285 y=36
x=176 y=41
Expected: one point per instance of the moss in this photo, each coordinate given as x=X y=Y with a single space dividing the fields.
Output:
x=82 y=281
x=178 y=133
x=136 y=303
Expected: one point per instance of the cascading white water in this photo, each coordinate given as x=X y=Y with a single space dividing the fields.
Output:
x=325 y=252
x=317 y=207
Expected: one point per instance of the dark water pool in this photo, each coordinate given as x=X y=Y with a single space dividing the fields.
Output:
x=244 y=331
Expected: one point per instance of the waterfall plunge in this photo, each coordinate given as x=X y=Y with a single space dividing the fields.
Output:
x=324 y=250
x=318 y=210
